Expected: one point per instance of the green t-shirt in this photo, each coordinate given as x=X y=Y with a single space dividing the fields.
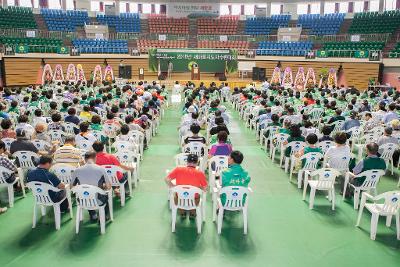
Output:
x=235 y=175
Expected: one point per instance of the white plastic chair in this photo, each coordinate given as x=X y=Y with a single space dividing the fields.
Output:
x=325 y=181
x=64 y=172
x=111 y=172
x=26 y=162
x=295 y=147
x=371 y=181
x=41 y=145
x=181 y=159
x=311 y=163
x=277 y=143
x=138 y=136
x=69 y=128
x=85 y=145
x=387 y=154
x=186 y=200
x=10 y=186
x=389 y=208
x=42 y=199
x=123 y=145
x=236 y=199
x=57 y=136
x=8 y=142
x=198 y=149
x=98 y=134
x=86 y=199
x=337 y=127
x=131 y=159
x=325 y=145
x=220 y=163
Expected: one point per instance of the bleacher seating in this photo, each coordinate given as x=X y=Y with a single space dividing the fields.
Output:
x=374 y=22
x=93 y=46
x=395 y=53
x=17 y=18
x=66 y=21
x=348 y=49
x=224 y=44
x=259 y=26
x=267 y=48
x=328 y=24
x=125 y=22
x=35 y=45
x=144 y=45
x=222 y=25
x=162 y=24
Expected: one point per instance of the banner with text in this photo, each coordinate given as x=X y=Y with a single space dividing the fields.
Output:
x=214 y=61
x=179 y=10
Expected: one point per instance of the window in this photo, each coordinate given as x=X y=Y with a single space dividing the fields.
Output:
x=249 y=10
x=54 y=5
x=95 y=6
x=236 y=9
x=315 y=8
x=224 y=9
x=374 y=5
x=122 y=7
x=69 y=5
x=10 y=3
x=146 y=8
x=36 y=3
x=358 y=7
x=329 y=7
x=302 y=9
x=275 y=9
x=25 y=3
x=134 y=8
x=157 y=7
x=390 y=5
x=344 y=7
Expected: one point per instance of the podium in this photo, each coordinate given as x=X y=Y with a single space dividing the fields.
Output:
x=195 y=72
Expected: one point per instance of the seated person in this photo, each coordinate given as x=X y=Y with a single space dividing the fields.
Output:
x=6 y=163
x=311 y=146
x=103 y=158
x=219 y=126
x=84 y=134
x=371 y=162
x=188 y=175
x=195 y=137
x=24 y=125
x=235 y=175
x=6 y=129
x=336 y=153
x=326 y=131
x=295 y=135
x=386 y=139
x=56 y=123
x=68 y=153
x=92 y=174
x=42 y=174
x=222 y=148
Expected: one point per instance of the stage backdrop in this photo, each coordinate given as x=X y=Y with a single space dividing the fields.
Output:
x=208 y=60
x=179 y=10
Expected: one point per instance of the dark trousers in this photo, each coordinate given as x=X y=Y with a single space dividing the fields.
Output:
x=57 y=196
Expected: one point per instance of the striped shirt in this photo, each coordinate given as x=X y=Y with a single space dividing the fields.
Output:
x=68 y=154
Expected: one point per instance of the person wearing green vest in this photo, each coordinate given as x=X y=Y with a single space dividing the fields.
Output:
x=371 y=162
x=235 y=175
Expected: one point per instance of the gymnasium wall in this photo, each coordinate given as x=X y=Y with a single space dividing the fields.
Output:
x=24 y=71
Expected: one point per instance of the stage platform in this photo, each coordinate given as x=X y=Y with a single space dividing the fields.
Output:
x=232 y=83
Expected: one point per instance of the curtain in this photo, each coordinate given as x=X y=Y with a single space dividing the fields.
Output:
x=128 y=8
x=351 y=7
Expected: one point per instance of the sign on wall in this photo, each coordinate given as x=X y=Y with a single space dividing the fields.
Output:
x=355 y=38
x=179 y=10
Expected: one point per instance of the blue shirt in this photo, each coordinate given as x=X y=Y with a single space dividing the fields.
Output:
x=44 y=176
x=389 y=117
x=350 y=124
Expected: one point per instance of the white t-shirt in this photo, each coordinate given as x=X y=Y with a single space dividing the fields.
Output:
x=336 y=153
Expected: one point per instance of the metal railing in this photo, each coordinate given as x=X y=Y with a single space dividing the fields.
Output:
x=23 y=33
x=384 y=37
x=250 y=53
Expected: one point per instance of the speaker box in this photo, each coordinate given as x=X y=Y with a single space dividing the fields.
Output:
x=125 y=72
x=262 y=73
x=255 y=73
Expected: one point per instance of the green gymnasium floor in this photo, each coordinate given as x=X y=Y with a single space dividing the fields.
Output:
x=282 y=230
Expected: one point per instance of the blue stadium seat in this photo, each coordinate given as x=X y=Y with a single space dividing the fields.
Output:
x=67 y=21
x=267 y=48
x=125 y=22
x=328 y=24
x=93 y=46
x=264 y=25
